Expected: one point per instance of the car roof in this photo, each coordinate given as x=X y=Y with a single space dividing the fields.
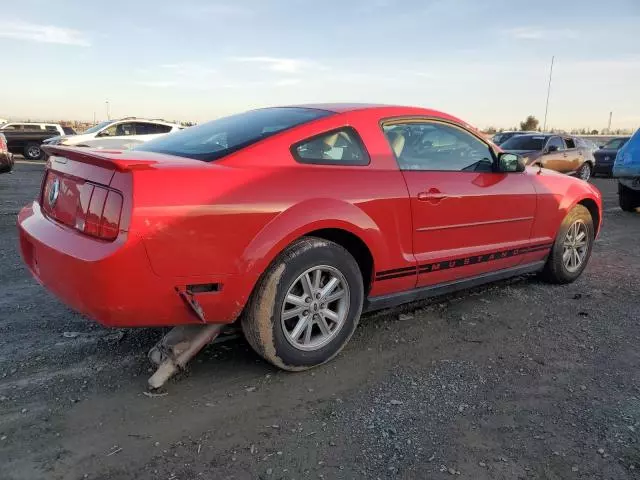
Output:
x=140 y=119
x=382 y=110
x=539 y=135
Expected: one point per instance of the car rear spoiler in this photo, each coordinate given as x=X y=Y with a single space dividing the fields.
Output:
x=108 y=159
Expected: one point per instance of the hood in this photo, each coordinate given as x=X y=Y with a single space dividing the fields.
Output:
x=75 y=139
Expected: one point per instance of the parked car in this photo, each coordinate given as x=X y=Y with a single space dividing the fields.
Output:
x=117 y=133
x=627 y=170
x=295 y=220
x=561 y=153
x=27 y=142
x=590 y=144
x=606 y=155
x=29 y=126
x=6 y=158
x=501 y=137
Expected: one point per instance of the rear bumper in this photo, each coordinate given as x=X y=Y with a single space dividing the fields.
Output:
x=112 y=282
x=603 y=168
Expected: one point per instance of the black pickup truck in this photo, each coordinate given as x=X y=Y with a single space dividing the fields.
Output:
x=27 y=143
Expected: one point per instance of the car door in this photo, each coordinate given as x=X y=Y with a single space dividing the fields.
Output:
x=572 y=155
x=467 y=218
x=554 y=155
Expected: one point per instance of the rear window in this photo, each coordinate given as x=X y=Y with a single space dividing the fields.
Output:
x=524 y=142
x=216 y=139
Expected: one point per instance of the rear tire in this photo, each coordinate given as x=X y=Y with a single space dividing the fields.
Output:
x=628 y=199
x=32 y=151
x=584 y=172
x=568 y=258
x=313 y=336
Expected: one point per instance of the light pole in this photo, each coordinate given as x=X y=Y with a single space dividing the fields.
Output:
x=546 y=109
x=108 y=112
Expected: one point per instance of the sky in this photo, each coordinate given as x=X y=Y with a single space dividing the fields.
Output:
x=485 y=61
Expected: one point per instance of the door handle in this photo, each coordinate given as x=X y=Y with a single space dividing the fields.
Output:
x=565 y=155
x=430 y=197
x=434 y=195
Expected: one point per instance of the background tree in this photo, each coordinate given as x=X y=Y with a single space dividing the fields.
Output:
x=531 y=123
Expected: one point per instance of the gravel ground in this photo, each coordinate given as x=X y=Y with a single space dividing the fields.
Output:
x=515 y=380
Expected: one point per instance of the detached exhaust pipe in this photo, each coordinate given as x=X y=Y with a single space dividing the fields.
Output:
x=177 y=347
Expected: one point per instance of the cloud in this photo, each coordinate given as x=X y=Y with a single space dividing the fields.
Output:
x=42 y=33
x=540 y=33
x=281 y=65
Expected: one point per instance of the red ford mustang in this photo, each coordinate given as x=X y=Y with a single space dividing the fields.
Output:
x=295 y=220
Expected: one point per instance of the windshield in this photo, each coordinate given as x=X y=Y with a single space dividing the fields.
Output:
x=616 y=143
x=524 y=142
x=97 y=127
x=499 y=137
x=214 y=140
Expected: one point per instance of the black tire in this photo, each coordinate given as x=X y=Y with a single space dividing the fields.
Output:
x=585 y=172
x=555 y=270
x=628 y=199
x=32 y=151
x=261 y=321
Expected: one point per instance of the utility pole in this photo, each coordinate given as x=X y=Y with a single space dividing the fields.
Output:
x=609 y=127
x=108 y=112
x=546 y=109
x=94 y=117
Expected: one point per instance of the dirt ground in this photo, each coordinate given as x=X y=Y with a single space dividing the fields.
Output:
x=515 y=380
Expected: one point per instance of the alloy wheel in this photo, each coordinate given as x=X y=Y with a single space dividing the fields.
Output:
x=585 y=172
x=33 y=152
x=315 y=307
x=575 y=246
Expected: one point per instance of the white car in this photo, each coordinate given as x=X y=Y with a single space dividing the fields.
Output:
x=119 y=134
x=31 y=126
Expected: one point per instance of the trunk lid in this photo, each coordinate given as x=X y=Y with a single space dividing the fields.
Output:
x=91 y=190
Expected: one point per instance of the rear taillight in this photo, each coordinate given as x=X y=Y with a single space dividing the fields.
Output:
x=92 y=209
x=3 y=143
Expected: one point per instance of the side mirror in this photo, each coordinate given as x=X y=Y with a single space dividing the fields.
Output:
x=510 y=163
x=601 y=147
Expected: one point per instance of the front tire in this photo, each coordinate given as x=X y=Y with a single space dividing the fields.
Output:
x=306 y=305
x=628 y=199
x=32 y=151
x=572 y=248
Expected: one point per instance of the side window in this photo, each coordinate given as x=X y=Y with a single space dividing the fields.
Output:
x=338 y=147
x=110 y=131
x=10 y=127
x=570 y=143
x=151 y=128
x=437 y=146
x=556 y=142
x=50 y=128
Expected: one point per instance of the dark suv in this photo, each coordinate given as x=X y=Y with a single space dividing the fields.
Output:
x=562 y=153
